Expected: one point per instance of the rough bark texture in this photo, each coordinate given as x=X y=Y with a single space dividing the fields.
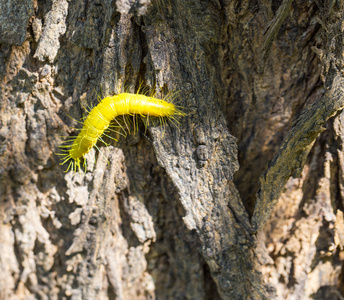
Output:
x=169 y=214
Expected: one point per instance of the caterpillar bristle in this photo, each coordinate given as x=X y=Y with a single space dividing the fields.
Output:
x=65 y=146
x=105 y=143
x=117 y=128
x=75 y=119
x=109 y=130
x=71 y=163
x=110 y=137
x=67 y=158
x=62 y=154
x=101 y=153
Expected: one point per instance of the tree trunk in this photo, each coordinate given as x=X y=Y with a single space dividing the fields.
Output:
x=167 y=213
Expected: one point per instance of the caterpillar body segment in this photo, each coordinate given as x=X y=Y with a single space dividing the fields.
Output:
x=100 y=117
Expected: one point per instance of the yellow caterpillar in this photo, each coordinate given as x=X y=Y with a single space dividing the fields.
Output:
x=100 y=117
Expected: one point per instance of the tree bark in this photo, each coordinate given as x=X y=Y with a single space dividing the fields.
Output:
x=240 y=199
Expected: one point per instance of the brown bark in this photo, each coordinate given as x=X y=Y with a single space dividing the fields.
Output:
x=169 y=214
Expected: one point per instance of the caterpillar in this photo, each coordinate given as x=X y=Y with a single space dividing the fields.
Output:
x=100 y=117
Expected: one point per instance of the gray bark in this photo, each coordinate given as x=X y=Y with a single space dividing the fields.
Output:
x=203 y=209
